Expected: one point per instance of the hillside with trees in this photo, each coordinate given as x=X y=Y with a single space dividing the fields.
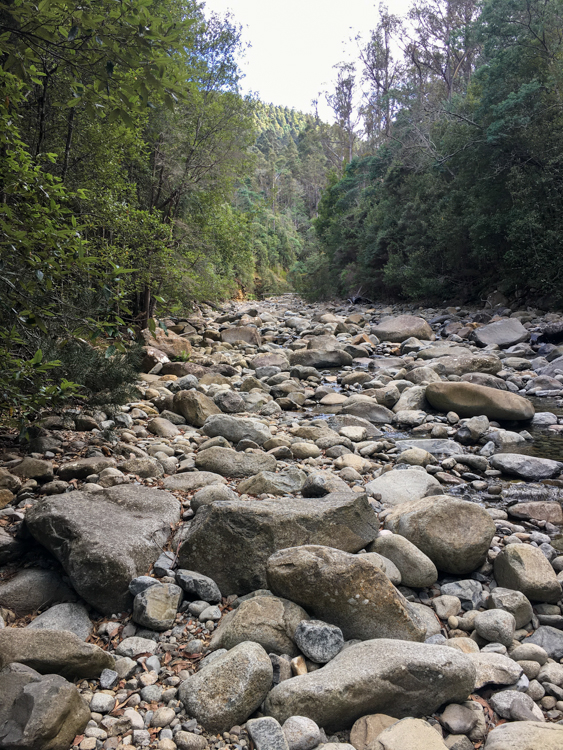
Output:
x=459 y=186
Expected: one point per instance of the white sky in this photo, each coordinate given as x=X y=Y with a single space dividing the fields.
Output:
x=296 y=43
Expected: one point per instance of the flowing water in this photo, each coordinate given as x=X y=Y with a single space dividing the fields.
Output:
x=546 y=443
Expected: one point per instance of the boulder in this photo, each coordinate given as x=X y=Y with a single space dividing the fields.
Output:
x=503 y=333
x=368 y=728
x=368 y=408
x=408 y=733
x=489 y=364
x=469 y=400
x=198 y=586
x=401 y=486
x=248 y=334
x=73 y=617
x=400 y=328
x=416 y=569
x=494 y=669
x=549 y=639
x=231 y=463
x=167 y=342
x=228 y=690
x=511 y=601
x=267 y=620
x=53 y=652
x=34 y=468
x=270 y=359
x=529 y=468
x=526 y=569
x=400 y=678
x=156 y=607
x=291 y=480
x=33 y=588
x=83 y=467
x=194 y=406
x=454 y=534
x=253 y=530
x=39 y=712
x=320 y=359
x=105 y=539
x=319 y=641
x=193 y=480
x=236 y=428
x=162 y=428
x=525 y=735
x=343 y=589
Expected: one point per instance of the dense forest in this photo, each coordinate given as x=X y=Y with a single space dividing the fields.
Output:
x=455 y=181
x=136 y=180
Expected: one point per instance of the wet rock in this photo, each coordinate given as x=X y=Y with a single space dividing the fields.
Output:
x=267 y=620
x=377 y=676
x=229 y=689
x=345 y=590
x=105 y=539
x=253 y=530
x=454 y=534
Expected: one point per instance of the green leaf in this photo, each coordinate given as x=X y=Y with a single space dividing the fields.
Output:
x=73 y=33
x=37 y=357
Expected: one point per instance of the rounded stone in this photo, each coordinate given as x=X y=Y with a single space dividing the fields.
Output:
x=496 y=626
x=318 y=640
x=301 y=733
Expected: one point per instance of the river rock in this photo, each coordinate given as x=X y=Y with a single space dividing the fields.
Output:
x=525 y=735
x=401 y=486
x=400 y=328
x=83 y=467
x=494 y=669
x=416 y=569
x=368 y=728
x=39 y=712
x=155 y=607
x=549 y=639
x=414 y=733
x=72 y=616
x=301 y=733
x=496 y=626
x=194 y=406
x=105 y=539
x=162 y=428
x=529 y=468
x=320 y=359
x=511 y=601
x=53 y=652
x=198 y=586
x=526 y=569
x=228 y=689
x=376 y=676
x=469 y=400
x=168 y=342
x=267 y=620
x=319 y=641
x=231 y=463
x=454 y=534
x=503 y=333
x=33 y=588
x=236 y=428
x=253 y=530
x=193 y=480
x=248 y=334
x=283 y=483
x=345 y=590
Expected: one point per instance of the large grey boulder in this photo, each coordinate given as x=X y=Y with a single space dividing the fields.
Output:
x=250 y=531
x=53 y=652
x=236 y=428
x=231 y=463
x=72 y=616
x=105 y=539
x=267 y=620
x=346 y=590
x=454 y=534
x=398 y=678
x=526 y=569
x=39 y=712
x=401 y=486
x=529 y=468
x=503 y=333
x=469 y=400
x=525 y=735
x=400 y=328
x=228 y=689
x=33 y=588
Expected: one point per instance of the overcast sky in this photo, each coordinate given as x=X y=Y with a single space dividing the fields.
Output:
x=296 y=43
